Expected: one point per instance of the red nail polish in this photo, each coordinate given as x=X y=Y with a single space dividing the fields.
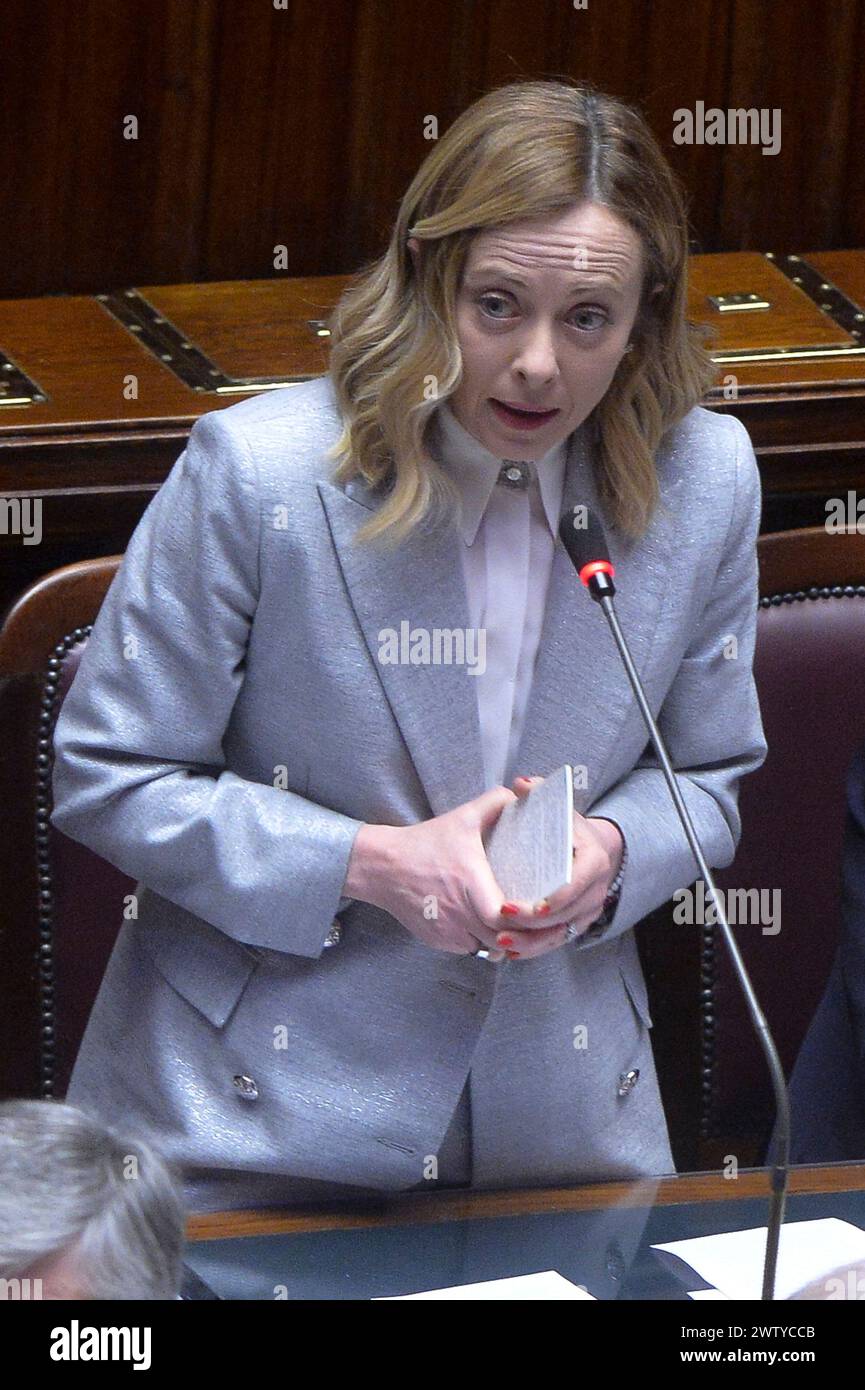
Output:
x=542 y=910
x=512 y=955
x=509 y=910
x=504 y=940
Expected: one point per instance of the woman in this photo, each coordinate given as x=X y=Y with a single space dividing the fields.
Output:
x=261 y=734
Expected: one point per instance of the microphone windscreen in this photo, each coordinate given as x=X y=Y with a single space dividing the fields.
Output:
x=583 y=537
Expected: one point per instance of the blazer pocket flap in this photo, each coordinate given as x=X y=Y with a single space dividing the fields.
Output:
x=207 y=968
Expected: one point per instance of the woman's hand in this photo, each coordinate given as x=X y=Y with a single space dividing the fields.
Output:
x=439 y=867
x=598 y=850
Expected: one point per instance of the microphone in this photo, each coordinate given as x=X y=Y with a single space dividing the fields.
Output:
x=583 y=538
x=586 y=545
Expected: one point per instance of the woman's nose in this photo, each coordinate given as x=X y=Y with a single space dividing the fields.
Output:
x=536 y=356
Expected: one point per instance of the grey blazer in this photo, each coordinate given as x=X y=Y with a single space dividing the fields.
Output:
x=231 y=727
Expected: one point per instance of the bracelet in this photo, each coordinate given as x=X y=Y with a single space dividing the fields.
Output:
x=615 y=887
x=610 y=901
x=600 y=923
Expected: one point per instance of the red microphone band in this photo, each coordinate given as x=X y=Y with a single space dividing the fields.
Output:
x=596 y=567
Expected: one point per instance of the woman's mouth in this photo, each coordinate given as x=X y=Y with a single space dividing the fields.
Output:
x=521 y=419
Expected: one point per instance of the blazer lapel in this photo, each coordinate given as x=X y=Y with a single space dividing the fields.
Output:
x=580 y=696
x=416 y=587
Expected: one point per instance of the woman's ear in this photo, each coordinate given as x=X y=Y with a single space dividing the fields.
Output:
x=414 y=248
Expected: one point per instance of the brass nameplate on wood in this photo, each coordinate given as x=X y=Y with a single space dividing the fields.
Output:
x=176 y=350
x=16 y=387
x=835 y=332
x=736 y=303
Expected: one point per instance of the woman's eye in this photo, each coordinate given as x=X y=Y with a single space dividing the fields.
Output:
x=594 y=313
x=496 y=298
x=489 y=302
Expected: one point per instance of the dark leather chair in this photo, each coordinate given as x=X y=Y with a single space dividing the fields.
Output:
x=64 y=904
x=810 y=673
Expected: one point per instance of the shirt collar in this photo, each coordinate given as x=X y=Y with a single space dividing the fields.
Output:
x=475 y=470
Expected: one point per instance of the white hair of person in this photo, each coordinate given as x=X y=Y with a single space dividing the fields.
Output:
x=70 y=1184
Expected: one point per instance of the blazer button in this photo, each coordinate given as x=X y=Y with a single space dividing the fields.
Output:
x=628 y=1080
x=334 y=935
x=246 y=1087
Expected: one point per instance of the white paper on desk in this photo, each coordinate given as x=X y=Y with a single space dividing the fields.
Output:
x=548 y=1285
x=530 y=847
x=733 y=1262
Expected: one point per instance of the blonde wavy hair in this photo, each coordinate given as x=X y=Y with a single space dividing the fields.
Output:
x=521 y=151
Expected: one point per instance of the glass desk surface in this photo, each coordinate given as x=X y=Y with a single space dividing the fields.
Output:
x=597 y=1236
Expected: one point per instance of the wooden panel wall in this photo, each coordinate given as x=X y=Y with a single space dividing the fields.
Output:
x=300 y=122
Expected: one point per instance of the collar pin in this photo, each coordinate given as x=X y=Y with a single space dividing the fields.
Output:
x=514 y=473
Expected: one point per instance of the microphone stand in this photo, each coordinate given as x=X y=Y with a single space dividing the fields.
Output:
x=601 y=588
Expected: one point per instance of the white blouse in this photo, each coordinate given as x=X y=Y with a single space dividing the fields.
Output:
x=509 y=535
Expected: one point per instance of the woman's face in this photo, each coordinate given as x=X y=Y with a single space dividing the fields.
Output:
x=544 y=314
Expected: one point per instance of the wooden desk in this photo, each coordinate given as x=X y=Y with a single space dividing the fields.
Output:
x=98 y=392
x=459 y=1205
